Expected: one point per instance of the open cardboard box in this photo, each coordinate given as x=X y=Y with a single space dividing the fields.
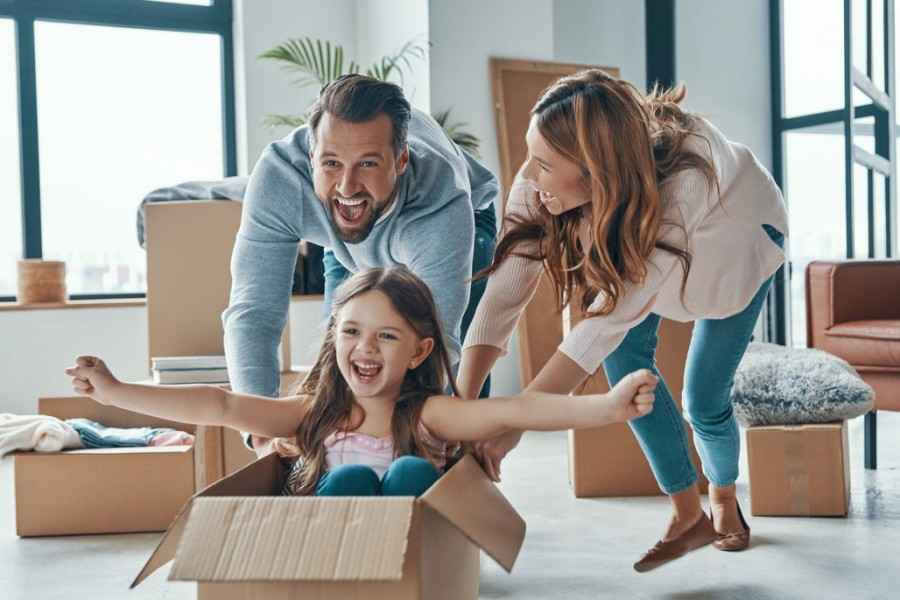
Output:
x=108 y=490
x=238 y=539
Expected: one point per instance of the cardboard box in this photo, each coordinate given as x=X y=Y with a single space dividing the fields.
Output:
x=799 y=470
x=607 y=461
x=237 y=540
x=110 y=490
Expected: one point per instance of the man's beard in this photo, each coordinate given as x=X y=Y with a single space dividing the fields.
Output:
x=361 y=231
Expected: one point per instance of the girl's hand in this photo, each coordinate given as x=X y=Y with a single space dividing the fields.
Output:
x=91 y=377
x=632 y=397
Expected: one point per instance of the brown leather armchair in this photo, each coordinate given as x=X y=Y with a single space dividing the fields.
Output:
x=853 y=311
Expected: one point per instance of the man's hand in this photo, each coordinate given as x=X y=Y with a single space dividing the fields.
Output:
x=491 y=452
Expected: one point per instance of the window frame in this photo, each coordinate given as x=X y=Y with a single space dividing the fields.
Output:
x=143 y=14
x=881 y=107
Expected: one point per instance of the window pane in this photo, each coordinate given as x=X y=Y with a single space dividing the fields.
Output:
x=879 y=216
x=814 y=192
x=122 y=112
x=10 y=189
x=878 y=42
x=859 y=20
x=813 y=56
x=860 y=211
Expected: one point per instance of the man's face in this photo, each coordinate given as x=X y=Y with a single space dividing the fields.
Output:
x=355 y=172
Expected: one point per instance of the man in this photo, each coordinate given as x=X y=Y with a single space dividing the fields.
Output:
x=376 y=183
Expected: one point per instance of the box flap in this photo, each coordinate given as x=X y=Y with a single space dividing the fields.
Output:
x=290 y=539
x=259 y=478
x=468 y=499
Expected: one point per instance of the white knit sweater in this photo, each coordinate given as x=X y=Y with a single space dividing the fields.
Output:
x=731 y=256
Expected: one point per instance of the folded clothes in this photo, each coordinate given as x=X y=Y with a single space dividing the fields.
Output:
x=36 y=432
x=172 y=438
x=97 y=435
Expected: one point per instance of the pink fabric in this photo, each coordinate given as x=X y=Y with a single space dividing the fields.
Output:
x=172 y=438
x=354 y=448
x=731 y=256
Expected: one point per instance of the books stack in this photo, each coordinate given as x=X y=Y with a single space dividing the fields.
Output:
x=189 y=369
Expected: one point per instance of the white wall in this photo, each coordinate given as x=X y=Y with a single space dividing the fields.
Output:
x=262 y=88
x=36 y=345
x=603 y=33
x=722 y=53
x=464 y=35
x=383 y=27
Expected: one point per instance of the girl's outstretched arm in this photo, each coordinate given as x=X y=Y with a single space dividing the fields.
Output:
x=196 y=404
x=455 y=419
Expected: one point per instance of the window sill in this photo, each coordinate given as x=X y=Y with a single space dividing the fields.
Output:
x=114 y=303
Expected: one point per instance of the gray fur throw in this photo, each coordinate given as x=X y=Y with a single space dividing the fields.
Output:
x=775 y=385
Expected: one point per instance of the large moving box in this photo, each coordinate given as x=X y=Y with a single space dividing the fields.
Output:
x=799 y=470
x=238 y=540
x=607 y=461
x=110 y=490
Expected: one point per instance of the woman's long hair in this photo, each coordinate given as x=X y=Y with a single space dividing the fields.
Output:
x=330 y=400
x=628 y=145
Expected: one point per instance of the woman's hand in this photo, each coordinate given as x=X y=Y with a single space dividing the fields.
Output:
x=91 y=377
x=490 y=453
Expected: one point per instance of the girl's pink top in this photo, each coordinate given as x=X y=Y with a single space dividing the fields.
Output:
x=354 y=448
x=731 y=255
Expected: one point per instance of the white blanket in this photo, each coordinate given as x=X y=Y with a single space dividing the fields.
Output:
x=35 y=432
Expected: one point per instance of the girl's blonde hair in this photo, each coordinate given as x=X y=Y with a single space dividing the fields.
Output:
x=627 y=144
x=330 y=399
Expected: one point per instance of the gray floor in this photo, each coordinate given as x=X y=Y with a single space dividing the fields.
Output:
x=574 y=548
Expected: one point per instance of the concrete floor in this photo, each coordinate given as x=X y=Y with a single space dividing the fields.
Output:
x=574 y=548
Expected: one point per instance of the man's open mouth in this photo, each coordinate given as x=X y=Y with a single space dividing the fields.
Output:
x=351 y=210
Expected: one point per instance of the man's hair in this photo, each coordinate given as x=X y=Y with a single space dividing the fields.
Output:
x=359 y=98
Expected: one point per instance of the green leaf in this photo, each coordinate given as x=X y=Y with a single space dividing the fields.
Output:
x=292 y=121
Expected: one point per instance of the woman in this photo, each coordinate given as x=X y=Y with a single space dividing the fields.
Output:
x=647 y=211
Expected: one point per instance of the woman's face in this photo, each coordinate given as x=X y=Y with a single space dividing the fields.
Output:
x=560 y=183
x=376 y=346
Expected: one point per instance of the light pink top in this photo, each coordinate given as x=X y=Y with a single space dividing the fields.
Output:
x=731 y=256
x=354 y=448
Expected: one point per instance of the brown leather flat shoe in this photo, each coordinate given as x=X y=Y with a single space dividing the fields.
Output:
x=700 y=534
x=734 y=541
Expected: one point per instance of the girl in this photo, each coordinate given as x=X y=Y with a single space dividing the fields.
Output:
x=638 y=210
x=370 y=417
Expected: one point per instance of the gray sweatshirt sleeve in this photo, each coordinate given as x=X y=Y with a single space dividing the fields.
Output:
x=442 y=257
x=262 y=266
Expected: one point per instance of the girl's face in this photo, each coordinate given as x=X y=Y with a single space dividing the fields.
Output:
x=376 y=346
x=560 y=182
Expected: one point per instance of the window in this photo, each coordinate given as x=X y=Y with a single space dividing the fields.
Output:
x=839 y=204
x=10 y=192
x=113 y=127
x=126 y=99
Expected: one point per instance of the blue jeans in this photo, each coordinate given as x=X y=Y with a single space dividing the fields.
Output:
x=407 y=476
x=717 y=347
x=482 y=255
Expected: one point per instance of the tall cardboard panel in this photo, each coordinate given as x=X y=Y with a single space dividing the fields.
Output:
x=517 y=84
